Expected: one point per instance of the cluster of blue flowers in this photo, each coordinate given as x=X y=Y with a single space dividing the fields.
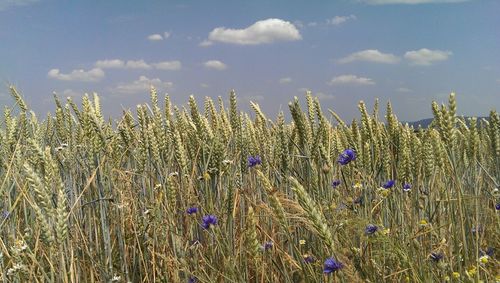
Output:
x=346 y=156
x=331 y=265
x=254 y=160
x=209 y=221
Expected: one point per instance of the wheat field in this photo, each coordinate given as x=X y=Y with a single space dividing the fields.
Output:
x=213 y=194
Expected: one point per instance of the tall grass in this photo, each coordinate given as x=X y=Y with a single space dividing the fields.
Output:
x=90 y=200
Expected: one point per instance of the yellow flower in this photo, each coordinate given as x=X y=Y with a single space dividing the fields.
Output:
x=206 y=176
x=423 y=222
x=471 y=272
x=447 y=278
x=386 y=231
x=302 y=242
x=383 y=192
x=455 y=275
x=357 y=185
x=484 y=259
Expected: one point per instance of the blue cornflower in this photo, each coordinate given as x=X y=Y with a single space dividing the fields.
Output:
x=335 y=183
x=489 y=252
x=5 y=214
x=331 y=265
x=346 y=156
x=254 y=160
x=389 y=184
x=192 y=210
x=406 y=187
x=371 y=229
x=208 y=221
x=267 y=245
x=436 y=256
x=308 y=259
x=497 y=206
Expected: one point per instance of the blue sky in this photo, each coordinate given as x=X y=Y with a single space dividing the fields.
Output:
x=409 y=52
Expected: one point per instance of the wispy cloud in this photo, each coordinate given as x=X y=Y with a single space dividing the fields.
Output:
x=110 y=64
x=206 y=43
x=350 y=80
x=159 y=37
x=412 y=2
x=285 y=80
x=338 y=20
x=426 y=57
x=137 y=64
x=261 y=32
x=6 y=4
x=371 y=55
x=142 y=85
x=215 y=64
x=80 y=75
x=403 y=89
x=168 y=65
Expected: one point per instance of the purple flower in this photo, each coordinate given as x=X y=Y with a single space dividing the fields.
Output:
x=490 y=251
x=308 y=259
x=436 y=256
x=267 y=245
x=497 y=206
x=335 y=183
x=192 y=279
x=254 y=160
x=389 y=184
x=5 y=214
x=346 y=156
x=406 y=187
x=192 y=210
x=209 y=221
x=331 y=265
x=371 y=229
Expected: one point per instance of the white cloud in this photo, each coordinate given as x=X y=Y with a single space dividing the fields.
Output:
x=337 y=20
x=425 y=57
x=371 y=55
x=138 y=64
x=215 y=64
x=312 y=24
x=71 y=93
x=206 y=43
x=324 y=96
x=110 y=64
x=412 y=2
x=81 y=75
x=155 y=37
x=261 y=32
x=166 y=34
x=6 y=4
x=168 y=65
x=285 y=80
x=142 y=85
x=403 y=89
x=351 y=80
x=204 y=85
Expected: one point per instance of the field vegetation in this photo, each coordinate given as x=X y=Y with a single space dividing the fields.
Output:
x=213 y=194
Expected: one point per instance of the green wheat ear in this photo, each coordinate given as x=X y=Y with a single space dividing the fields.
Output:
x=314 y=216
